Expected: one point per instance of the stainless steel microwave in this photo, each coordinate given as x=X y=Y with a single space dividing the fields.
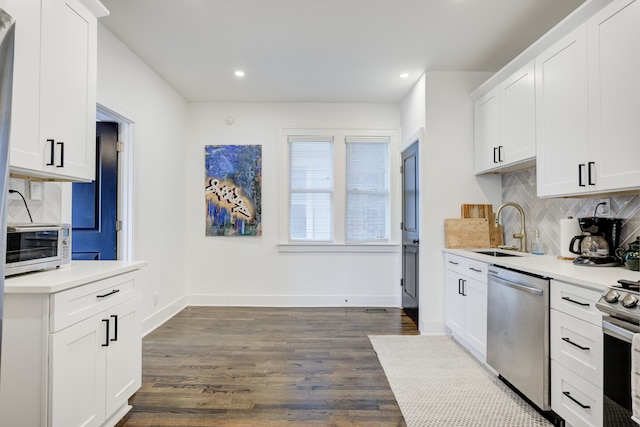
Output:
x=34 y=247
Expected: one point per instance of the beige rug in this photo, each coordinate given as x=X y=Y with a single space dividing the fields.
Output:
x=437 y=382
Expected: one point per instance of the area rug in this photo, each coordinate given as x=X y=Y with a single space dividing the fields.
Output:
x=437 y=382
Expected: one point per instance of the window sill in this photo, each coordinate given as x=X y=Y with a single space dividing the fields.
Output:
x=338 y=248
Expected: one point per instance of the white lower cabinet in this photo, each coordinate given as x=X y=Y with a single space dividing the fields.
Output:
x=466 y=302
x=87 y=356
x=576 y=354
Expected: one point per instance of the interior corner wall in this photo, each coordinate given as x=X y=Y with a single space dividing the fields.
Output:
x=250 y=271
x=127 y=86
x=446 y=176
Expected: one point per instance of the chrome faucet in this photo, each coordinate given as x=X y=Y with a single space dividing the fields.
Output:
x=523 y=234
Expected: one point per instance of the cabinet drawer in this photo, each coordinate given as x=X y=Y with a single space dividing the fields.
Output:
x=73 y=305
x=467 y=267
x=476 y=270
x=577 y=345
x=577 y=301
x=573 y=398
x=454 y=263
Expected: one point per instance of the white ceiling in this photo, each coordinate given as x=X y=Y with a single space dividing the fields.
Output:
x=324 y=50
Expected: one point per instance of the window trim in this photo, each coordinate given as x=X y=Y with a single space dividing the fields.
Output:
x=339 y=244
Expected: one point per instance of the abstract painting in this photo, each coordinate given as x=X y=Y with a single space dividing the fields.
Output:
x=233 y=190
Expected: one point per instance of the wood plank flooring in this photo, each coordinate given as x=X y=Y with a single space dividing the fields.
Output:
x=239 y=366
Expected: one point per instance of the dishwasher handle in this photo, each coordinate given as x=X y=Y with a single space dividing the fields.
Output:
x=517 y=286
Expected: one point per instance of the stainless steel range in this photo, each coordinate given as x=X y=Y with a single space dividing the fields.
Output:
x=621 y=320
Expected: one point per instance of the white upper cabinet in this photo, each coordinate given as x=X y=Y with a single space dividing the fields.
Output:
x=505 y=124
x=487 y=131
x=588 y=104
x=614 y=95
x=562 y=116
x=54 y=98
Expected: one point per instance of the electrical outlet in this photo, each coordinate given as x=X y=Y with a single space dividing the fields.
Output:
x=35 y=190
x=155 y=299
x=604 y=207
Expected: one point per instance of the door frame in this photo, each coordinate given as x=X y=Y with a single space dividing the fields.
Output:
x=126 y=135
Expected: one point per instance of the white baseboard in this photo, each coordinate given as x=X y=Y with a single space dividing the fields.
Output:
x=294 y=300
x=433 y=328
x=161 y=316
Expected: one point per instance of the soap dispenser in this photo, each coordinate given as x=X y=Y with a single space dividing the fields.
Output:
x=536 y=246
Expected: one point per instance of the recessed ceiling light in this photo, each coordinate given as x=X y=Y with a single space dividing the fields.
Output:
x=404 y=75
x=239 y=73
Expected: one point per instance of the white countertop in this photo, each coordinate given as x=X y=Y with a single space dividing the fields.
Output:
x=550 y=266
x=68 y=276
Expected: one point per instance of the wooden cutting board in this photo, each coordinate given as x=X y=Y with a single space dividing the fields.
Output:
x=476 y=211
x=467 y=233
x=470 y=210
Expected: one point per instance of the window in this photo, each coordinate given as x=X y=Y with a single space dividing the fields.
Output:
x=367 y=215
x=310 y=188
x=338 y=188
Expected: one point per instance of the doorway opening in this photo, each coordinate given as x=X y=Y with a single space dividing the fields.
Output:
x=124 y=202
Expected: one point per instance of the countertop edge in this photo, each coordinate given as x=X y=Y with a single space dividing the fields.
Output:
x=77 y=273
x=597 y=278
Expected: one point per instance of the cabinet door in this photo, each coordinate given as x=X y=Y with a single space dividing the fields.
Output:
x=77 y=374
x=614 y=95
x=487 y=132
x=519 y=116
x=25 y=138
x=68 y=86
x=476 y=314
x=124 y=355
x=454 y=303
x=562 y=116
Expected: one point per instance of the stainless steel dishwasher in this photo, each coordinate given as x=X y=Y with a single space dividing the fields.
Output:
x=518 y=332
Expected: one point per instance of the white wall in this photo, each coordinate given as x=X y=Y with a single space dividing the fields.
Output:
x=129 y=87
x=251 y=270
x=446 y=174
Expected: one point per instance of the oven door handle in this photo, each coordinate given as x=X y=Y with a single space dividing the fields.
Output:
x=617 y=332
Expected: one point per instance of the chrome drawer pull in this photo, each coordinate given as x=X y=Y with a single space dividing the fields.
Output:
x=475 y=269
x=565 y=339
x=566 y=393
x=453 y=262
x=115 y=291
x=576 y=302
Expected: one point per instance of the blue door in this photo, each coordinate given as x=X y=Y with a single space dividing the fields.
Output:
x=95 y=203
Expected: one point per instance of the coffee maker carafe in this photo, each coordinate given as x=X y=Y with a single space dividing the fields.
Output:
x=597 y=247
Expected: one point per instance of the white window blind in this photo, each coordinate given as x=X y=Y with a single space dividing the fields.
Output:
x=367 y=188
x=310 y=188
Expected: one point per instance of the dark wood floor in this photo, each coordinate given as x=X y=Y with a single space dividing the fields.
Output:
x=223 y=366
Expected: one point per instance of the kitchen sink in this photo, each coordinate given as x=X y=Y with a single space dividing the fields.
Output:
x=496 y=253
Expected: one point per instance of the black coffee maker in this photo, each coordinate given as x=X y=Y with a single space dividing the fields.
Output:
x=597 y=247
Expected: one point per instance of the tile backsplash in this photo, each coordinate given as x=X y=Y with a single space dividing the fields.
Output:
x=46 y=210
x=545 y=214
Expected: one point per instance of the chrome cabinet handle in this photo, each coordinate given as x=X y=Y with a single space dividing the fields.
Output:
x=565 y=339
x=475 y=269
x=566 y=393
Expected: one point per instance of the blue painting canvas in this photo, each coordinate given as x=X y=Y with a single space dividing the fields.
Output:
x=233 y=190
